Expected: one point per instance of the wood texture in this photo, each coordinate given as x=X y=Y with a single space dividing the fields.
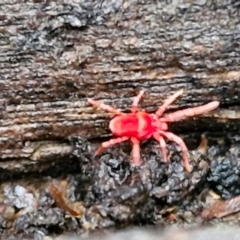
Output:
x=55 y=55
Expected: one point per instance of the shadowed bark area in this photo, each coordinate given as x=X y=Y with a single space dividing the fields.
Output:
x=55 y=55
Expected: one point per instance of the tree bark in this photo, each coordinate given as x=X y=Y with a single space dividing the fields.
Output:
x=54 y=56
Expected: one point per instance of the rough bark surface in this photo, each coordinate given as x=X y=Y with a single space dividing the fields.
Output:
x=54 y=55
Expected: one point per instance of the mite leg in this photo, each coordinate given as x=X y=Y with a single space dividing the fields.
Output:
x=190 y=112
x=179 y=141
x=109 y=143
x=162 y=145
x=136 y=101
x=168 y=102
x=136 y=152
x=105 y=107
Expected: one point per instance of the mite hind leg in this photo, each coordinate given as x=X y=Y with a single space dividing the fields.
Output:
x=105 y=107
x=109 y=143
x=136 y=158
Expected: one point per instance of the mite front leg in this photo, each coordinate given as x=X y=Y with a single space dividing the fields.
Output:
x=168 y=102
x=162 y=145
x=136 y=101
x=105 y=107
x=179 y=141
x=109 y=143
x=136 y=152
x=190 y=112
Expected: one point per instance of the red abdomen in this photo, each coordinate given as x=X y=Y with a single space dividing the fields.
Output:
x=137 y=125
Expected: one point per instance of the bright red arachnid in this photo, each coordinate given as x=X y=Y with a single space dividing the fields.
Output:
x=140 y=125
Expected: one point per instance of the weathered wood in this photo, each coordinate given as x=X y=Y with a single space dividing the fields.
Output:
x=54 y=56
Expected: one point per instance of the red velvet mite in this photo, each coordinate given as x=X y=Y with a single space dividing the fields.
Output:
x=140 y=125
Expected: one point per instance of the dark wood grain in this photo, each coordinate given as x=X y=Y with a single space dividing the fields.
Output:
x=54 y=56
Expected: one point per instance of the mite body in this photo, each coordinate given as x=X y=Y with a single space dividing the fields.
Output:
x=140 y=125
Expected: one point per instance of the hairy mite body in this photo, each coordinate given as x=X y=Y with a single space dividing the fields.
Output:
x=140 y=125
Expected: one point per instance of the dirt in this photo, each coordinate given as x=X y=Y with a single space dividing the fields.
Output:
x=109 y=193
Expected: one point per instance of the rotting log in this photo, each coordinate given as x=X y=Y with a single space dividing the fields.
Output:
x=54 y=56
